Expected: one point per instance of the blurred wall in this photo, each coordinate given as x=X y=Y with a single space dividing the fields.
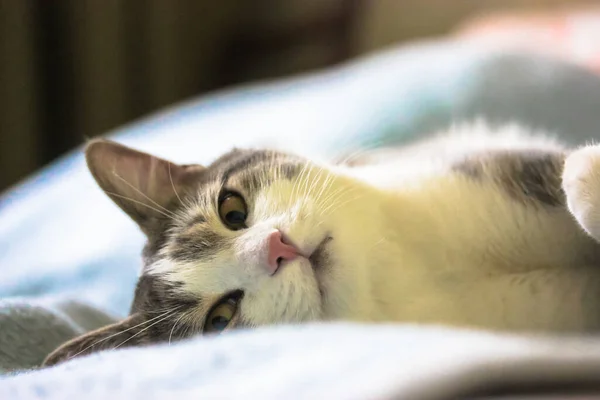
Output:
x=74 y=69
x=386 y=22
x=70 y=70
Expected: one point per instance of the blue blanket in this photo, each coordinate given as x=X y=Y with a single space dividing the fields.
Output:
x=324 y=362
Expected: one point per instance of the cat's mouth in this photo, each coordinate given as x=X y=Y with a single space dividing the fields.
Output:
x=319 y=256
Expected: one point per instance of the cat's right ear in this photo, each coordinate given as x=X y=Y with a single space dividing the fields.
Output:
x=129 y=332
x=146 y=187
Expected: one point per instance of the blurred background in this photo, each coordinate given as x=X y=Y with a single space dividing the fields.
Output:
x=70 y=70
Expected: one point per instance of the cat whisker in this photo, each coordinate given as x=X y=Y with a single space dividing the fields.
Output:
x=274 y=164
x=173 y=184
x=323 y=183
x=162 y=310
x=317 y=181
x=377 y=243
x=306 y=184
x=326 y=184
x=350 y=156
x=345 y=193
x=174 y=325
x=331 y=211
x=335 y=192
x=362 y=150
x=334 y=195
x=140 y=192
x=143 y=330
x=298 y=183
x=169 y=215
x=300 y=179
x=326 y=210
x=334 y=205
x=330 y=199
x=188 y=328
x=293 y=191
x=120 y=332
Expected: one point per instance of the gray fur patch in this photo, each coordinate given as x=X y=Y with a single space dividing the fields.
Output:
x=198 y=219
x=254 y=169
x=197 y=245
x=529 y=177
x=158 y=298
x=245 y=160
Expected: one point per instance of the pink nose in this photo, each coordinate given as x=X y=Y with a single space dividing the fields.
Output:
x=279 y=251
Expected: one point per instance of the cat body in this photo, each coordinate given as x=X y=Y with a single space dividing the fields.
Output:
x=478 y=235
x=473 y=228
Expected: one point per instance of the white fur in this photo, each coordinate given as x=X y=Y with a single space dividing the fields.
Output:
x=413 y=241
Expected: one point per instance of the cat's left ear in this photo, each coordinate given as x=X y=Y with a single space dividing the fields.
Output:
x=129 y=332
x=146 y=187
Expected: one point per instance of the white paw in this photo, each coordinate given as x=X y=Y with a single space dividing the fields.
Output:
x=581 y=183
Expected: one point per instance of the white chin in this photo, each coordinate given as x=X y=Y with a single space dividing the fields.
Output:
x=291 y=295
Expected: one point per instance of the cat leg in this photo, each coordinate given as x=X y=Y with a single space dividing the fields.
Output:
x=581 y=184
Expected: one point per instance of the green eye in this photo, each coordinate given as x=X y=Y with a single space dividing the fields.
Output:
x=233 y=212
x=221 y=314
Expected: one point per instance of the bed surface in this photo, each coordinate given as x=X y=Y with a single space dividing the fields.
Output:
x=69 y=257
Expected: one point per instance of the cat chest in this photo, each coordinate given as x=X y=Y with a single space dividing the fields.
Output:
x=551 y=300
x=545 y=299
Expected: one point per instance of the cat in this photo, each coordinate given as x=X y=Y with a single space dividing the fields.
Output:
x=476 y=227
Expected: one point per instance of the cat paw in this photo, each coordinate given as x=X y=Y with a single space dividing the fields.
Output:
x=581 y=183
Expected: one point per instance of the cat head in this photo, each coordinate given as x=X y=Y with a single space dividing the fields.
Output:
x=257 y=237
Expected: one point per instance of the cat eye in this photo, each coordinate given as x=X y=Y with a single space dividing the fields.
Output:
x=232 y=211
x=222 y=313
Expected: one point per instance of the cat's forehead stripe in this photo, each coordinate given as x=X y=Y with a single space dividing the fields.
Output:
x=247 y=160
x=250 y=180
x=197 y=219
x=198 y=243
x=253 y=162
x=290 y=169
x=153 y=292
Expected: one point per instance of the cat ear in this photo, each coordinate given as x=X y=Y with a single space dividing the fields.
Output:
x=129 y=332
x=144 y=186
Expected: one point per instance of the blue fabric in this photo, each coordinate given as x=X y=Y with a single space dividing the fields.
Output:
x=340 y=362
x=61 y=237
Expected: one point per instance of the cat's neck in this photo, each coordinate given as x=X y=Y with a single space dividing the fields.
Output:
x=384 y=249
x=405 y=248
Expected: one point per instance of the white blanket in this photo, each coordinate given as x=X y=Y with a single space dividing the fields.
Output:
x=324 y=362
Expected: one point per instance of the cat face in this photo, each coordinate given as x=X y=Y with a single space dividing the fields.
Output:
x=255 y=238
